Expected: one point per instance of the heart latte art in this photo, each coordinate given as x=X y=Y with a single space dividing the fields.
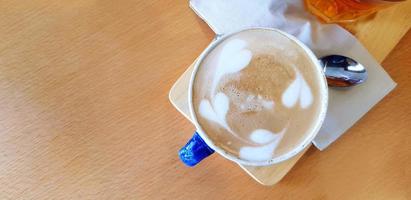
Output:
x=256 y=95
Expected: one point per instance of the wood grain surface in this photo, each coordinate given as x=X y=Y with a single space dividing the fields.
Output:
x=84 y=112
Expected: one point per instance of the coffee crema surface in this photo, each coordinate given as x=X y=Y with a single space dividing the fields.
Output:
x=256 y=95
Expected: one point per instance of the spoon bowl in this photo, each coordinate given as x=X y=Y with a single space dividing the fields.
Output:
x=342 y=71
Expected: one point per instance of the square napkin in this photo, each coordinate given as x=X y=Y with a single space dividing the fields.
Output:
x=346 y=106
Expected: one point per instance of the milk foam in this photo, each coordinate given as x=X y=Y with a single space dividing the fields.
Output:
x=216 y=111
x=255 y=104
x=255 y=97
x=233 y=58
x=298 y=90
x=248 y=102
x=262 y=136
x=264 y=152
x=266 y=103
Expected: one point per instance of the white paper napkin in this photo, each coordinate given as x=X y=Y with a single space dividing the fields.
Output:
x=346 y=106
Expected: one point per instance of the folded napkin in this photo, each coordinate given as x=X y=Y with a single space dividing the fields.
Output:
x=346 y=106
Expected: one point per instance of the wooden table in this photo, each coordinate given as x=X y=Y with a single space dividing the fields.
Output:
x=84 y=112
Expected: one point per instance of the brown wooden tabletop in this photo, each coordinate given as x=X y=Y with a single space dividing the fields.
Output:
x=84 y=112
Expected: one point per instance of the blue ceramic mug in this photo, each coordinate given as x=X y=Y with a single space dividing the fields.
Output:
x=200 y=145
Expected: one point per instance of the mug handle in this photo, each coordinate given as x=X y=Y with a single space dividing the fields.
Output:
x=194 y=151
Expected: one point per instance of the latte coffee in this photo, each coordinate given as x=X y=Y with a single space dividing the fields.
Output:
x=258 y=95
